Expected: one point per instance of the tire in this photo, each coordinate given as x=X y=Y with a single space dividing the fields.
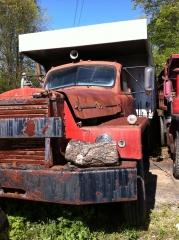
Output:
x=135 y=211
x=172 y=144
x=176 y=158
x=4 y=235
x=4 y=226
x=162 y=133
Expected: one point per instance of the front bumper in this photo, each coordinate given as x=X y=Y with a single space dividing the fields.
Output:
x=75 y=186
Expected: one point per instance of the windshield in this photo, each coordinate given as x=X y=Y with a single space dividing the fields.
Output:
x=93 y=75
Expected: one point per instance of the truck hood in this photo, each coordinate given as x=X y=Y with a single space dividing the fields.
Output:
x=85 y=103
x=92 y=103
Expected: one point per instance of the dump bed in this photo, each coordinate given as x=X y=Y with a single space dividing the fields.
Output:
x=109 y=41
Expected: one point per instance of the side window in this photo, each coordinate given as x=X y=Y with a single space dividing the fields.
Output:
x=124 y=81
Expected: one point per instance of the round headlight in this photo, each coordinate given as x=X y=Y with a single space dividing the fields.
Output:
x=104 y=137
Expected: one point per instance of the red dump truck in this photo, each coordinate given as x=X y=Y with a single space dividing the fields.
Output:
x=82 y=137
x=168 y=94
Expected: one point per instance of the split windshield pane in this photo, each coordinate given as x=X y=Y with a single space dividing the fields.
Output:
x=92 y=75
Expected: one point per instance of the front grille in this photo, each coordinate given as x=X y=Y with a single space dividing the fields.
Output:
x=24 y=108
x=15 y=146
x=23 y=151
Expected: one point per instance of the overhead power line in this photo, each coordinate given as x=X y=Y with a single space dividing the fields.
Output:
x=81 y=13
x=76 y=12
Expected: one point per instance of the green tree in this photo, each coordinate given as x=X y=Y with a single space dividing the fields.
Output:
x=17 y=17
x=163 y=27
x=151 y=7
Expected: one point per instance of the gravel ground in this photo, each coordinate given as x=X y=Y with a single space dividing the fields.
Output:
x=161 y=186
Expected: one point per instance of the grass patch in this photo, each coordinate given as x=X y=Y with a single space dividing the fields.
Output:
x=34 y=221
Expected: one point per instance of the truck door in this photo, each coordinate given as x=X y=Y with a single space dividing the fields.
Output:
x=127 y=100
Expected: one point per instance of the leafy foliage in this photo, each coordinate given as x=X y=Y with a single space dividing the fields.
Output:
x=151 y=7
x=163 y=27
x=16 y=17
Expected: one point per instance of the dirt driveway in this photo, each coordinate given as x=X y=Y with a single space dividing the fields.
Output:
x=161 y=186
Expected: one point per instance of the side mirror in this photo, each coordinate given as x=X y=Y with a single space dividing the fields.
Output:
x=167 y=88
x=149 y=78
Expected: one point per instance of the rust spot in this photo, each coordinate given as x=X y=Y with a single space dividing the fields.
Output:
x=37 y=193
x=6 y=184
x=77 y=196
x=5 y=173
x=30 y=174
x=61 y=180
x=117 y=184
x=131 y=175
x=30 y=128
x=67 y=175
x=98 y=194
x=15 y=177
x=45 y=129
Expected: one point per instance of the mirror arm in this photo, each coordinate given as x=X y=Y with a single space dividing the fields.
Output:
x=133 y=78
x=135 y=92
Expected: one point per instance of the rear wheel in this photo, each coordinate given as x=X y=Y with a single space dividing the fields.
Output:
x=176 y=158
x=135 y=211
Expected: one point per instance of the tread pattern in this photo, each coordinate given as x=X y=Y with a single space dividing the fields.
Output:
x=162 y=135
x=135 y=211
x=176 y=158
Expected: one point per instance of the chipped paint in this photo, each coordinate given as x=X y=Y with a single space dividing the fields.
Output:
x=69 y=186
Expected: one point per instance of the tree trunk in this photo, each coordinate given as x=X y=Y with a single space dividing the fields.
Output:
x=87 y=154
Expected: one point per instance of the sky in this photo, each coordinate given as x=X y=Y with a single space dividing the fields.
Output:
x=88 y=12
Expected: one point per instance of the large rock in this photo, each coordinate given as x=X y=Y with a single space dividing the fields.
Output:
x=87 y=154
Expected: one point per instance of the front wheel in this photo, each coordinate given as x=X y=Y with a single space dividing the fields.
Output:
x=135 y=211
x=4 y=235
x=4 y=226
x=176 y=158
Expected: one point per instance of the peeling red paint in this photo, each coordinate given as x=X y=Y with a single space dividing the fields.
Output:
x=45 y=129
x=61 y=180
x=6 y=184
x=37 y=193
x=67 y=175
x=30 y=128
x=5 y=173
x=15 y=177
